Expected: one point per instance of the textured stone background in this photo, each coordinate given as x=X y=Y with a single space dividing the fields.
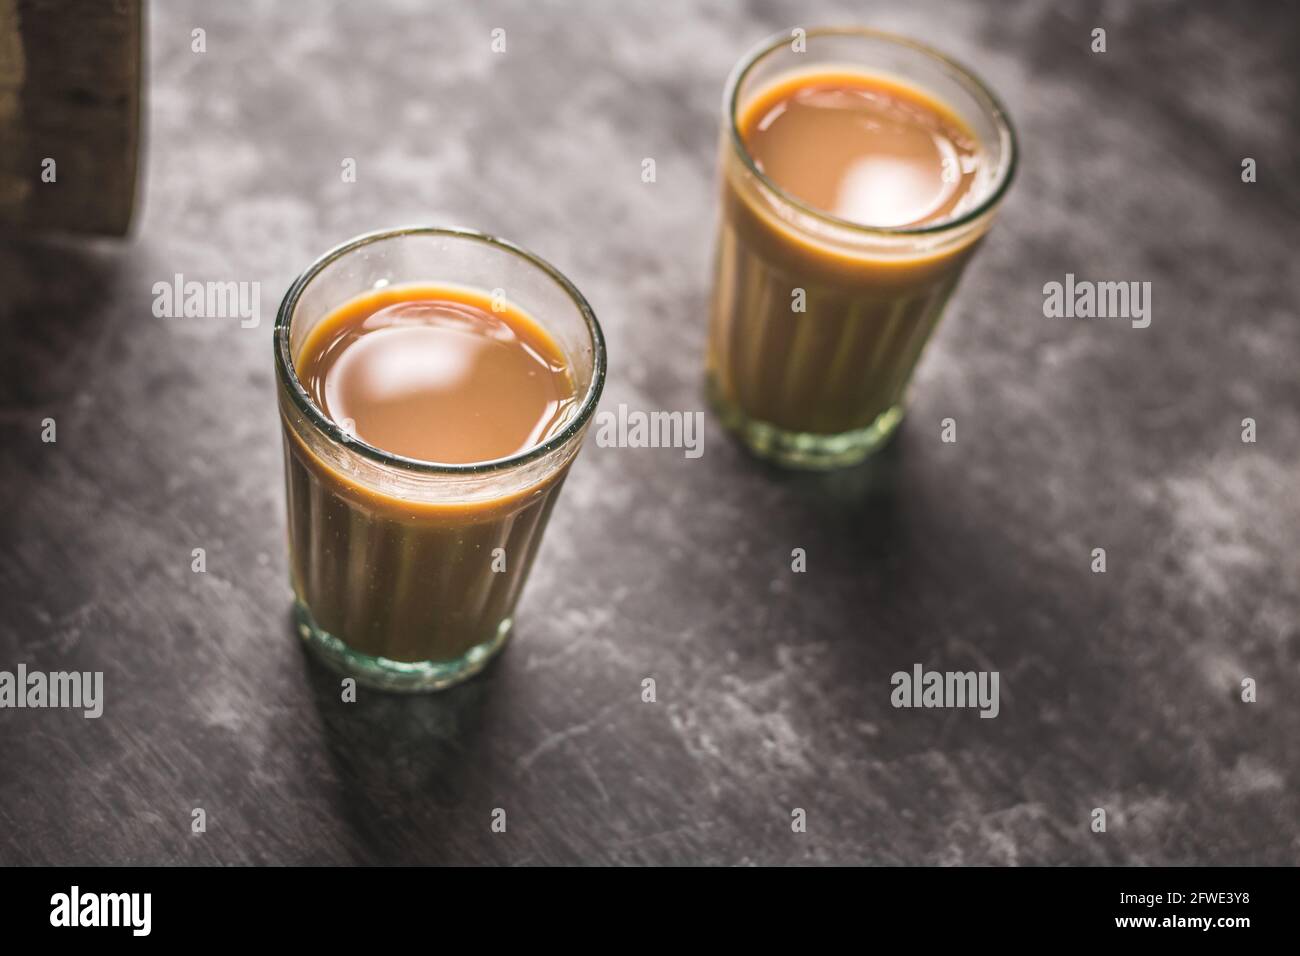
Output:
x=1119 y=690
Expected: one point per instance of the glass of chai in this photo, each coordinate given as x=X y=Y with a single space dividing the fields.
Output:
x=434 y=387
x=859 y=172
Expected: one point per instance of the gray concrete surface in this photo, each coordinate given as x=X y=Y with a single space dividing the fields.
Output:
x=1119 y=690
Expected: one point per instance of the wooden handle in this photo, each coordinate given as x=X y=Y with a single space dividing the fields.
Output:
x=69 y=114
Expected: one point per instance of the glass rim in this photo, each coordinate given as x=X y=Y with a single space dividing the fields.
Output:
x=303 y=401
x=1006 y=131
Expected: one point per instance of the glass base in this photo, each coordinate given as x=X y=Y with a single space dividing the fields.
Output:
x=383 y=673
x=807 y=450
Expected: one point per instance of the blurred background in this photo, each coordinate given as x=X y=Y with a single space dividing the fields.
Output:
x=1119 y=690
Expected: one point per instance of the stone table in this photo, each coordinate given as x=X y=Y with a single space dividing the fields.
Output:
x=1119 y=690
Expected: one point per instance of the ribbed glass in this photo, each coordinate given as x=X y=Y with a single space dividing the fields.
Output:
x=824 y=385
x=406 y=573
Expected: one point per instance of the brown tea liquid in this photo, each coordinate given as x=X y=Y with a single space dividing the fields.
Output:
x=867 y=150
x=862 y=149
x=437 y=374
